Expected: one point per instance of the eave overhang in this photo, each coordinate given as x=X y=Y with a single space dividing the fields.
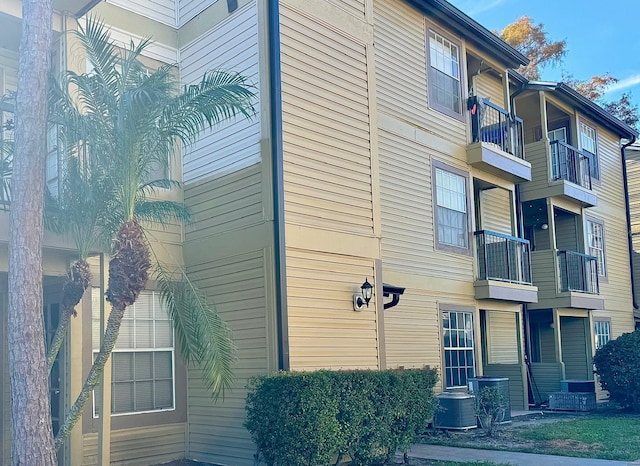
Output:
x=450 y=16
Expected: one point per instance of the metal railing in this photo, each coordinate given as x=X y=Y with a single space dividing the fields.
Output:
x=493 y=124
x=502 y=257
x=578 y=272
x=570 y=164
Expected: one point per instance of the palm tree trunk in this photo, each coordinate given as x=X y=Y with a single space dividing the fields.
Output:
x=108 y=343
x=31 y=432
x=77 y=282
x=128 y=274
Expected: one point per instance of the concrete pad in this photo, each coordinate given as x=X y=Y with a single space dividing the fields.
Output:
x=438 y=452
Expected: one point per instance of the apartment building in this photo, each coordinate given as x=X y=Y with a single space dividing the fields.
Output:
x=392 y=143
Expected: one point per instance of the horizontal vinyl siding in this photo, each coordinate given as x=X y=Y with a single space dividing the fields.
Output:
x=401 y=70
x=237 y=287
x=633 y=176
x=546 y=380
x=188 y=9
x=544 y=273
x=235 y=144
x=575 y=345
x=406 y=202
x=141 y=446
x=325 y=127
x=355 y=7
x=490 y=87
x=503 y=343
x=163 y=11
x=324 y=331
x=226 y=203
x=616 y=288
x=495 y=210
x=516 y=383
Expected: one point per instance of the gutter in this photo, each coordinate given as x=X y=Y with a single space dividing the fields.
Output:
x=277 y=167
x=628 y=215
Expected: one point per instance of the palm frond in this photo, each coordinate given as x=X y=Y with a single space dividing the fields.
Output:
x=162 y=212
x=202 y=336
x=219 y=96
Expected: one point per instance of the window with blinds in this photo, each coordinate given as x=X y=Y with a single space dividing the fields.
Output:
x=142 y=374
x=601 y=332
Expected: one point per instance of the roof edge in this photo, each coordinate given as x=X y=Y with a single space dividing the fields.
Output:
x=471 y=30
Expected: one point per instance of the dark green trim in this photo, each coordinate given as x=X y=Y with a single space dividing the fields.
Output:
x=471 y=30
x=275 y=109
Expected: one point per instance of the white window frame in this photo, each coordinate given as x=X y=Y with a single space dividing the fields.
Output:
x=442 y=200
x=171 y=350
x=588 y=137
x=438 y=62
x=447 y=350
x=601 y=332
x=593 y=248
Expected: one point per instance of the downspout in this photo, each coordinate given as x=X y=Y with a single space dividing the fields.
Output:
x=628 y=214
x=275 y=111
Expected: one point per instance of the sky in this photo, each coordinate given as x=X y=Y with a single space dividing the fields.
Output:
x=602 y=36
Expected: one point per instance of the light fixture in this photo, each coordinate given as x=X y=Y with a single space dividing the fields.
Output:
x=544 y=226
x=362 y=299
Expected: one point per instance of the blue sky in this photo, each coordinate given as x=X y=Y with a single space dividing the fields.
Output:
x=602 y=36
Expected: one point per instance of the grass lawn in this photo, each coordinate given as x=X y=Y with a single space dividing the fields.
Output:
x=607 y=437
x=611 y=436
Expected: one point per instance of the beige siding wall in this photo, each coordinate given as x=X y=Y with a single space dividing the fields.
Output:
x=324 y=331
x=139 y=447
x=163 y=11
x=616 y=287
x=633 y=177
x=490 y=87
x=237 y=285
x=8 y=70
x=327 y=166
x=400 y=55
x=329 y=178
x=495 y=210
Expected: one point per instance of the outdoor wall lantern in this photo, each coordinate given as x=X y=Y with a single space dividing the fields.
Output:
x=362 y=299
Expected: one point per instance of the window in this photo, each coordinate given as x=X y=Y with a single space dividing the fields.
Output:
x=459 y=360
x=142 y=372
x=452 y=220
x=602 y=332
x=595 y=244
x=589 y=147
x=445 y=91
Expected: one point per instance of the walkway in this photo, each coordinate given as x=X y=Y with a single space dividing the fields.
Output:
x=437 y=452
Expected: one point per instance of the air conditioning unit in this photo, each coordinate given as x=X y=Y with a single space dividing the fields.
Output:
x=578 y=386
x=456 y=411
x=501 y=383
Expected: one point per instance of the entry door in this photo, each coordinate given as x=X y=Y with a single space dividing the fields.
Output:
x=51 y=319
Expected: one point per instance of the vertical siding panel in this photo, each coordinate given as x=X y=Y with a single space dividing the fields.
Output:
x=326 y=132
x=324 y=331
x=163 y=11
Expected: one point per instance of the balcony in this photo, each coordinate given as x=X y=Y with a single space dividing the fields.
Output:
x=497 y=141
x=566 y=279
x=559 y=170
x=504 y=268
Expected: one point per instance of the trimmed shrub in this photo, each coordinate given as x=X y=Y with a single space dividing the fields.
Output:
x=618 y=366
x=315 y=418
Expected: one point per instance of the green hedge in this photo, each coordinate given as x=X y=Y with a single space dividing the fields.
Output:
x=618 y=365
x=312 y=418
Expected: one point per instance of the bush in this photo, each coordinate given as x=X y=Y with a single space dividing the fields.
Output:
x=317 y=417
x=618 y=366
x=491 y=407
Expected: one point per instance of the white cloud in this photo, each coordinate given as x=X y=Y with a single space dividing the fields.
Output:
x=623 y=84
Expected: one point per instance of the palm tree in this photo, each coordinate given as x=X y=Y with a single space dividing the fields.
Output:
x=132 y=119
